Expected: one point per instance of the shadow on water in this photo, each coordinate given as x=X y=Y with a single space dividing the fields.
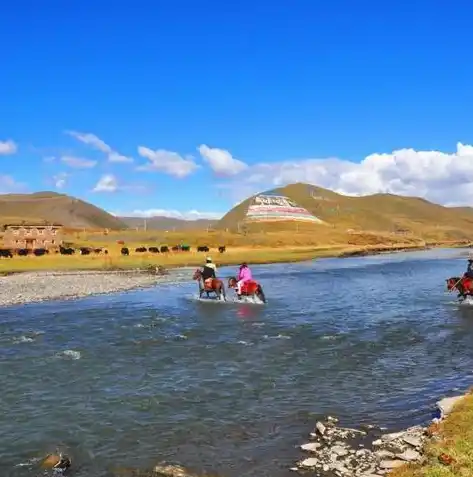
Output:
x=135 y=378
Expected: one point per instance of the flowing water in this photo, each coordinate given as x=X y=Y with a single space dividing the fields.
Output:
x=138 y=377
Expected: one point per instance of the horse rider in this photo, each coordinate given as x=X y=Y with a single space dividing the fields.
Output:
x=209 y=270
x=244 y=275
x=469 y=270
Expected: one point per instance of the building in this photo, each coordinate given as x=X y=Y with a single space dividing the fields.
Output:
x=32 y=236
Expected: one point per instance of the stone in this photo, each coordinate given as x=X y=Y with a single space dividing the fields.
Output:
x=377 y=443
x=310 y=462
x=339 y=450
x=326 y=468
x=409 y=455
x=311 y=446
x=391 y=464
x=320 y=428
x=50 y=461
x=412 y=441
x=170 y=470
x=384 y=454
x=391 y=437
x=341 y=469
x=446 y=405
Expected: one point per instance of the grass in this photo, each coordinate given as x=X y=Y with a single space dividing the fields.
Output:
x=233 y=256
x=254 y=248
x=451 y=453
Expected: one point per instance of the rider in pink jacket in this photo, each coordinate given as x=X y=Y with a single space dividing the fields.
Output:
x=244 y=275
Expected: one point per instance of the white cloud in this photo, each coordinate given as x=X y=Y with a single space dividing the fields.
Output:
x=221 y=161
x=189 y=215
x=446 y=178
x=8 y=185
x=96 y=143
x=167 y=161
x=107 y=183
x=8 y=147
x=60 y=180
x=78 y=162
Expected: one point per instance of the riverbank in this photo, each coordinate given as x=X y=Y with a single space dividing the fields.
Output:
x=441 y=449
x=34 y=287
x=233 y=256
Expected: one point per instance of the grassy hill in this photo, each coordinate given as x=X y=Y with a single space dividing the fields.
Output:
x=167 y=223
x=57 y=208
x=379 y=213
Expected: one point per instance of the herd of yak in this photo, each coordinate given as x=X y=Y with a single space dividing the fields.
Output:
x=8 y=253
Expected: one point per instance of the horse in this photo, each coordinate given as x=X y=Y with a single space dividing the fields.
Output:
x=251 y=288
x=463 y=285
x=211 y=285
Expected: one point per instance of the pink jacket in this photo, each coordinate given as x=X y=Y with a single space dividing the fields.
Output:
x=245 y=274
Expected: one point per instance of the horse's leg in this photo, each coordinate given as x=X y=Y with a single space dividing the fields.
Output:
x=223 y=292
x=261 y=294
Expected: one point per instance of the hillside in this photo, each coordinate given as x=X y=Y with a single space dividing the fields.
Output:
x=383 y=213
x=167 y=223
x=57 y=208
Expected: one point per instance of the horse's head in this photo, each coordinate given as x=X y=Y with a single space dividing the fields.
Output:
x=197 y=274
x=453 y=282
x=232 y=282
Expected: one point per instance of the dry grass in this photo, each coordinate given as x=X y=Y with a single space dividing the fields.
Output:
x=114 y=260
x=452 y=454
x=270 y=247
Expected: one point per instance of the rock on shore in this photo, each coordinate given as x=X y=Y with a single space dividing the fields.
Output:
x=365 y=453
x=32 y=287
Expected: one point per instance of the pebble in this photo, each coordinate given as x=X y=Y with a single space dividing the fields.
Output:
x=29 y=287
x=309 y=462
x=409 y=455
x=320 y=427
x=390 y=464
x=311 y=446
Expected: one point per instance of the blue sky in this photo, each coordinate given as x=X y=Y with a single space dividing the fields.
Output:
x=185 y=108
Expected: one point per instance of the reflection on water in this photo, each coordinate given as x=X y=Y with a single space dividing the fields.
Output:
x=127 y=380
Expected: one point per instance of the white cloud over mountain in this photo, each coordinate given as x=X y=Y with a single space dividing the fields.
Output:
x=221 y=161
x=441 y=177
x=168 y=162
x=175 y=214
x=107 y=183
x=8 y=147
x=95 y=142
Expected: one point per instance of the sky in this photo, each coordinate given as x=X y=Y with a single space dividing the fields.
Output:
x=185 y=108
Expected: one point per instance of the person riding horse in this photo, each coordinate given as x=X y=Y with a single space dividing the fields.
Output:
x=244 y=275
x=209 y=271
x=469 y=269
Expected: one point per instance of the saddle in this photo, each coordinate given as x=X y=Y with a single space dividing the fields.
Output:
x=249 y=287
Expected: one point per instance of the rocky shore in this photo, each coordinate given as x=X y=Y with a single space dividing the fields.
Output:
x=344 y=452
x=31 y=287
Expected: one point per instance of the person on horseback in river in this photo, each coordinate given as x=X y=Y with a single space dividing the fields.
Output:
x=469 y=270
x=244 y=275
x=209 y=270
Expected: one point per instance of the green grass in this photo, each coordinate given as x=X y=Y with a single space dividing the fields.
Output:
x=454 y=440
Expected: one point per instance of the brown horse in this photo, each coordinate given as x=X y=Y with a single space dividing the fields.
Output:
x=251 y=288
x=463 y=285
x=211 y=285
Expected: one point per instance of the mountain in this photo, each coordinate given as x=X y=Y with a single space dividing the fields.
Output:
x=385 y=213
x=167 y=223
x=57 y=208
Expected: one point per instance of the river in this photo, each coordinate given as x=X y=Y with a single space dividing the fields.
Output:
x=149 y=375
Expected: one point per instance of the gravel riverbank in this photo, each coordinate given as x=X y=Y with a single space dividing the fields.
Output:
x=30 y=287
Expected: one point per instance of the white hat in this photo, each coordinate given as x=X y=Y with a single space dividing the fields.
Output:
x=209 y=259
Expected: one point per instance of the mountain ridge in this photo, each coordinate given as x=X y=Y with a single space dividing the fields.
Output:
x=386 y=213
